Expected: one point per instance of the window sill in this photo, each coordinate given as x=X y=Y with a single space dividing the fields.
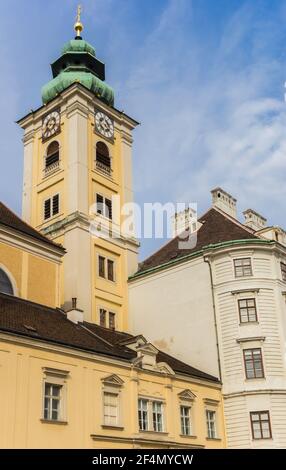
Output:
x=213 y=439
x=188 y=436
x=161 y=433
x=254 y=379
x=115 y=428
x=262 y=439
x=53 y=421
x=249 y=323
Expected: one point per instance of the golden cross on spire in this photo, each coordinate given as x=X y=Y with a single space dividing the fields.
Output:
x=78 y=24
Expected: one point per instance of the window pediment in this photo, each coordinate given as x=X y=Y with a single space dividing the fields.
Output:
x=113 y=380
x=187 y=395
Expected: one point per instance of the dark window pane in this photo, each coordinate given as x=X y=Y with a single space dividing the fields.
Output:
x=101 y=266
x=47 y=209
x=99 y=204
x=108 y=209
x=5 y=283
x=110 y=270
x=102 y=154
x=112 y=321
x=102 y=319
x=56 y=204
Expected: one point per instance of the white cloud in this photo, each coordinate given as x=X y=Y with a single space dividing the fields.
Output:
x=208 y=119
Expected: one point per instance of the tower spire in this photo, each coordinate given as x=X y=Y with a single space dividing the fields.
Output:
x=78 y=27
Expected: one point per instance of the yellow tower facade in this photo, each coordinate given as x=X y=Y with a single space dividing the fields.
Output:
x=77 y=178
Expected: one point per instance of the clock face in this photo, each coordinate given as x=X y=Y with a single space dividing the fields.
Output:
x=104 y=125
x=51 y=124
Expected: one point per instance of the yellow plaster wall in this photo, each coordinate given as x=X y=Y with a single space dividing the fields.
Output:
x=42 y=281
x=21 y=395
x=36 y=278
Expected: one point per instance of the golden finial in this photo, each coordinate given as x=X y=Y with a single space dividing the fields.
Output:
x=78 y=24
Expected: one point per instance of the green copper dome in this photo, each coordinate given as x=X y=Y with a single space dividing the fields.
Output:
x=88 y=80
x=78 y=64
x=75 y=45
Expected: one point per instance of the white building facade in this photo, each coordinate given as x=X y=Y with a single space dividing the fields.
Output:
x=222 y=306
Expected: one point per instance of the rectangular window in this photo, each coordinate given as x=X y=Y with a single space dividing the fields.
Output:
x=110 y=270
x=101 y=266
x=51 y=207
x=47 y=209
x=211 y=424
x=247 y=310
x=104 y=206
x=102 y=317
x=150 y=415
x=108 y=208
x=106 y=268
x=52 y=402
x=56 y=204
x=260 y=425
x=185 y=413
x=157 y=416
x=253 y=363
x=99 y=204
x=112 y=320
x=143 y=414
x=242 y=267
x=111 y=409
x=283 y=271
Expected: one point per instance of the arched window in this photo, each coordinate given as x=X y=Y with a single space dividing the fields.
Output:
x=5 y=284
x=53 y=155
x=103 y=160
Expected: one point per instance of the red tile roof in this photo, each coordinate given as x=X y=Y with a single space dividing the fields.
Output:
x=217 y=227
x=37 y=322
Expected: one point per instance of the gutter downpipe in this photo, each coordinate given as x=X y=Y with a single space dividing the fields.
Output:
x=206 y=260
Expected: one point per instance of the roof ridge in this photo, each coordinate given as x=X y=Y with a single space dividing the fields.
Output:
x=235 y=221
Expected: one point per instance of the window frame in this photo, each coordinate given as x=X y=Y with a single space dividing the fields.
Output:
x=260 y=423
x=114 y=393
x=107 y=169
x=55 y=377
x=242 y=267
x=113 y=385
x=252 y=350
x=247 y=308
x=51 y=200
x=108 y=315
x=47 y=168
x=151 y=427
x=208 y=422
x=106 y=260
x=51 y=397
x=183 y=418
x=283 y=271
x=104 y=206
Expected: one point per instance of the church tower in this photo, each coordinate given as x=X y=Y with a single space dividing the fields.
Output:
x=77 y=172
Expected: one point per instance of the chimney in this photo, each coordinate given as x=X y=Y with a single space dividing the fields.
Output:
x=75 y=315
x=184 y=220
x=224 y=201
x=254 y=220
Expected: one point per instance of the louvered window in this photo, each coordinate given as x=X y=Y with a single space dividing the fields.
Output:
x=51 y=207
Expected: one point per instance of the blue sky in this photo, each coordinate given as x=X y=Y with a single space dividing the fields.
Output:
x=205 y=78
